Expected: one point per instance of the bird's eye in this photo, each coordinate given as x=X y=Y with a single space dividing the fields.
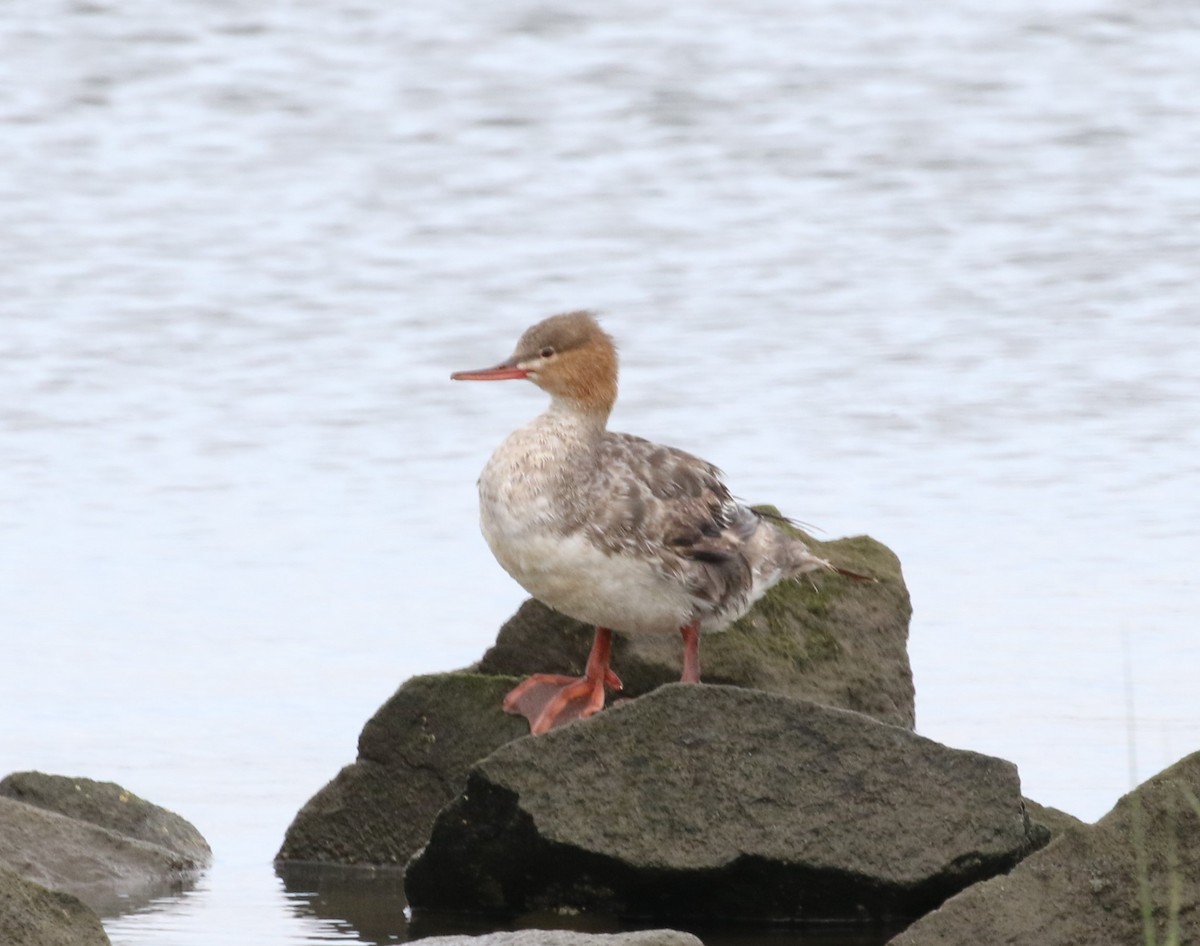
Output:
x=547 y=352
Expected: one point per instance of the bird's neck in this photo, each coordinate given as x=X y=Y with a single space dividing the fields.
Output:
x=577 y=419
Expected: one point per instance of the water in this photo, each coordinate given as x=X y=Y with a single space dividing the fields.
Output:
x=922 y=273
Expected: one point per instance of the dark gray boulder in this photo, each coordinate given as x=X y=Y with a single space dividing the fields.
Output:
x=723 y=802
x=110 y=806
x=413 y=757
x=1133 y=877
x=824 y=638
x=830 y=639
x=31 y=915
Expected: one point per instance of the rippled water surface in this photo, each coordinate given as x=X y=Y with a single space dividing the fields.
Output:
x=927 y=273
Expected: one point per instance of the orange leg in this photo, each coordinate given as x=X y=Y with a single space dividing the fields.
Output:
x=691 y=653
x=548 y=700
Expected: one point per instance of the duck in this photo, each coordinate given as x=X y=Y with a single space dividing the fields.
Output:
x=612 y=529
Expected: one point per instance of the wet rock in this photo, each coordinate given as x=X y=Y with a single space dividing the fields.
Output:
x=413 y=756
x=824 y=638
x=723 y=802
x=110 y=872
x=110 y=806
x=567 y=938
x=1092 y=883
x=31 y=915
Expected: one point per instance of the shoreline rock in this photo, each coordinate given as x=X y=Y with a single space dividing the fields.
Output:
x=109 y=806
x=1090 y=884
x=836 y=641
x=82 y=841
x=725 y=803
x=413 y=757
x=31 y=915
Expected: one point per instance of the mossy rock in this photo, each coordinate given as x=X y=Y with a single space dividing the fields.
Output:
x=823 y=637
x=413 y=756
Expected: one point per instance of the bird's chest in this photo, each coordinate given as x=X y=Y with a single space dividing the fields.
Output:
x=521 y=504
x=531 y=518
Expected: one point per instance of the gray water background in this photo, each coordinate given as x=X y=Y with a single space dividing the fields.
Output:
x=923 y=272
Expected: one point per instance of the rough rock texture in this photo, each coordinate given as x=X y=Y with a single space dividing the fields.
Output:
x=830 y=639
x=1052 y=820
x=824 y=638
x=110 y=872
x=567 y=938
x=413 y=757
x=31 y=915
x=723 y=802
x=1091 y=883
x=110 y=806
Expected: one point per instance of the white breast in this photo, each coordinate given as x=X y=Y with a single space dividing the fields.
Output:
x=521 y=516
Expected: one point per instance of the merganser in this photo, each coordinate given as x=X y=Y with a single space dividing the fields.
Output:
x=611 y=529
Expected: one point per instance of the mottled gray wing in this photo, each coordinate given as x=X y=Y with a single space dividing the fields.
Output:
x=672 y=506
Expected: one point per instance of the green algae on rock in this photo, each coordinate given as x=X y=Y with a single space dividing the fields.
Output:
x=827 y=638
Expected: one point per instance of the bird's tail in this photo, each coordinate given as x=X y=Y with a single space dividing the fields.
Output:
x=801 y=561
x=798 y=557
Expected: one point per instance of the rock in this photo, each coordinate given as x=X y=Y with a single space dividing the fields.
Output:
x=1089 y=884
x=823 y=637
x=723 y=802
x=109 y=871
x=567 y=938
x=110 y=806
x=31 y=915
x=1051 y=820
x=830 y=639
x=413 y=757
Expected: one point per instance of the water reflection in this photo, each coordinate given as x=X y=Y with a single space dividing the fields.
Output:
x=120 y=898
x=365 y=901
x=369 y=903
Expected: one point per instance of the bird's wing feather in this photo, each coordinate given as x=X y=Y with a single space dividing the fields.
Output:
x=673 y=508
